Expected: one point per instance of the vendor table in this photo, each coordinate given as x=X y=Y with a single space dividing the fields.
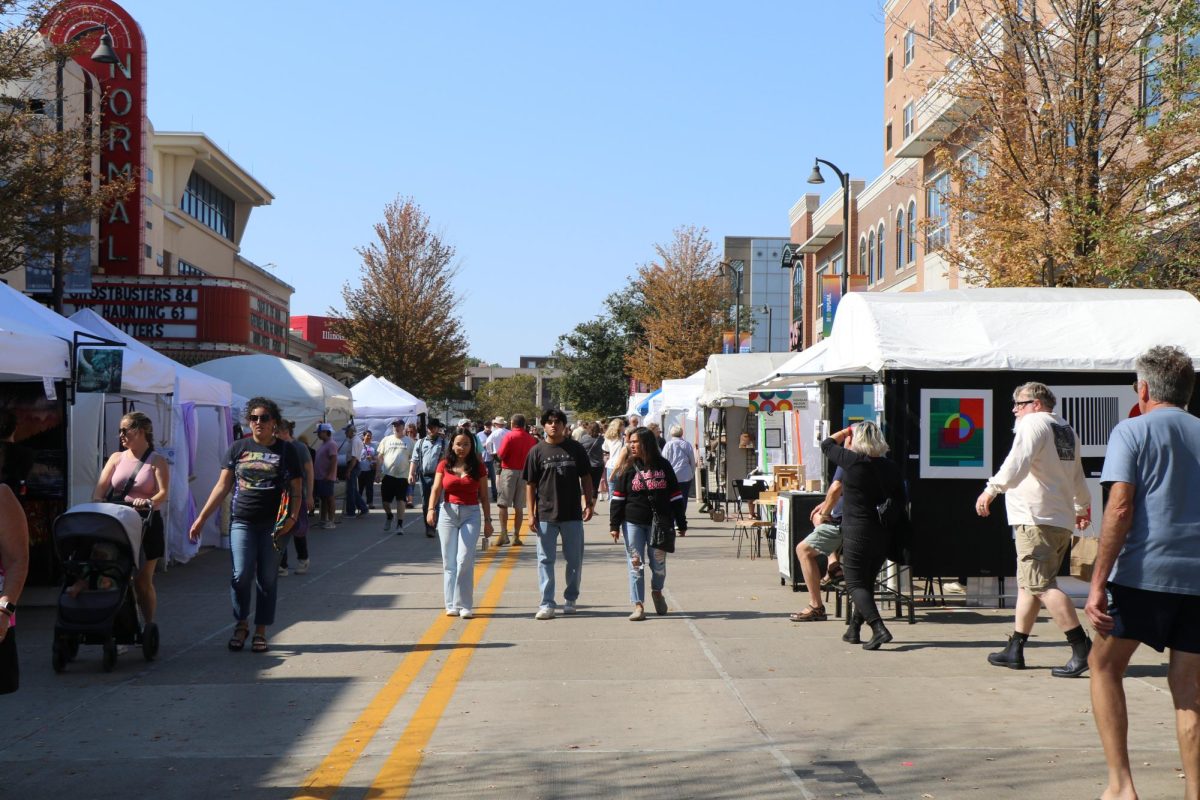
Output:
x=792 y=524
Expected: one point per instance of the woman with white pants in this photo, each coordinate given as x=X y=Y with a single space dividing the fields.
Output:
x=460 y=485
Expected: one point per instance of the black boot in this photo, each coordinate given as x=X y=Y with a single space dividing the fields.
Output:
x=1078 y=664
x=881 y=635
x=1013 y=655
x=852 y=629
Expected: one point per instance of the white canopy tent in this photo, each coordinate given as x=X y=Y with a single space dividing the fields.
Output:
x=726 y=375
x=191 y=428
x=305 y=395
x=417 y=402
x=377 y=403
x=679 y=404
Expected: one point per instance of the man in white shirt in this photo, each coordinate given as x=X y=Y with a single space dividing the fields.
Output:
x=395 y=456
x=1047 y=494
x=355 y=505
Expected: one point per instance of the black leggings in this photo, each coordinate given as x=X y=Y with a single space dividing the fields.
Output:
x=860 y=571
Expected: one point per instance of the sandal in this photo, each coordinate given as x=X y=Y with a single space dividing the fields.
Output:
x=258 y=644
x=832 y=576
x=810 y=614
x=238 y=640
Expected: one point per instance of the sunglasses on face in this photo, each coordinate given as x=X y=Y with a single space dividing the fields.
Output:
x=127 y=431
x=258 y=417
x=1019 y=403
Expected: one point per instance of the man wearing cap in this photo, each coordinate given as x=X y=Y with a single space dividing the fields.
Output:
x=512 y=450
x=426 y=455
x=395 y=461
x=355 y=505
x=325 y=473
x=499 y=428
x=489 y=459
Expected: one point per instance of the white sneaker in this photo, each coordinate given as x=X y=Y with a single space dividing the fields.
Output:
x=568 y=607
x=283 y=571
x=302 y=566
x=545 y=612
x=465 y=613
x=451 y=612
x=387 y=524
x=328 y=526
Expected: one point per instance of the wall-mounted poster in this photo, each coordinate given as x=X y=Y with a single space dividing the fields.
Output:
x=98 y=369
x=955 y=439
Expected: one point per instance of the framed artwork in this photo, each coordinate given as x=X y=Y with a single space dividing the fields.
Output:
x=773 y=438
x=858 y=404
x=955 y=439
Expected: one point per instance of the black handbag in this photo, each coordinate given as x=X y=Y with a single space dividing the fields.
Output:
x=894 y=518
x=662 y=534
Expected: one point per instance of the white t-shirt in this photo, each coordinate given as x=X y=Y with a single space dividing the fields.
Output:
x=1042 y=475
x=395 y=455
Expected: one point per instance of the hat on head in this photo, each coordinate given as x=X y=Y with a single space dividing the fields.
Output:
x=434 y=423
x=397 y=422
x=464 y=421
x=499 y=421
x=325 y=426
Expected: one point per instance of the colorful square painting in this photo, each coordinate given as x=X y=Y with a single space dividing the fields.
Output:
x=956 y=441
x=858 y=404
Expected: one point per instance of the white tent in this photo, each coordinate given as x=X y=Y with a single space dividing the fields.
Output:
x=726 y=375
x=417 y=402
x=377 y=403
x=191 y=428
x=682 y=394
x=305 y=395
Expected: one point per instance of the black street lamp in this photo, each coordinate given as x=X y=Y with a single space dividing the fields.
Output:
x=733 y=270
x=103 y=55
x=816 y=177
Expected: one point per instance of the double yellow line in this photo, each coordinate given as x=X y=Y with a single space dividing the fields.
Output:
x=396 y=776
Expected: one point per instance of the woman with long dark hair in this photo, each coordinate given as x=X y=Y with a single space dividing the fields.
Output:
x=462 y=478
x=869 y=479
x=645 y=487
x=267 y=470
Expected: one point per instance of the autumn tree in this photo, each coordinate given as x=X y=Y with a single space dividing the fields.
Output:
x=1073 y=158
x=398 y=321
x=507 y=396
x=51 y=189
x=592 y=356
x=685 y=298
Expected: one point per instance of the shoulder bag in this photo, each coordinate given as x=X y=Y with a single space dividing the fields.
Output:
x=662 y=530
x=119 y=497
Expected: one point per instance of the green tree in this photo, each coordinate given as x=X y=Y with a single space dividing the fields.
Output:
x=507 y=396
x=397 y=322
x=592 y=356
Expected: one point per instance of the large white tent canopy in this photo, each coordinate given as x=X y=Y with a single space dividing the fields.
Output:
x=725 y=375
x=305 y=395
x=377 y=402
x=418 y=404
x=682 y=394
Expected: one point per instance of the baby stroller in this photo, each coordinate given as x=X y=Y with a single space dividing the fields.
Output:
x=100 y=548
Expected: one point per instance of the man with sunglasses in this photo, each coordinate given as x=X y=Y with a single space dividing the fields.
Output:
x=1047 y=495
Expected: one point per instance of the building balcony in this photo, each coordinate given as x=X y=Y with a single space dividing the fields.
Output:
x=938 y=114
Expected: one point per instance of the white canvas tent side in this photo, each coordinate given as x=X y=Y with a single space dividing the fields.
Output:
x=417 y=402
x=376 y=404
x=679 y=404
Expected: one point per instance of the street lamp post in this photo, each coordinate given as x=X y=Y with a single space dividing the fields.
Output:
x=103 y=55
x=770 y=328
x=816 y=177
x=734 y=269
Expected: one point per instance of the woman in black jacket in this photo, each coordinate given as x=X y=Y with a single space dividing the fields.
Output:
x=870 y=478
x=643 y=486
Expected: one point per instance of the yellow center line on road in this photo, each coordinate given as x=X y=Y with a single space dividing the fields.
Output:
x=324 y=782
x=396 y=776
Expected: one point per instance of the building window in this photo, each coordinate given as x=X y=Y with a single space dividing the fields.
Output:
x=887 y=136
x=938 y=213
x=932 y=19
x=184 y=268
x=880 y=261
x=208 y=205
x=900 y=229
x=951 y=7
x=1151 y=94
x=871 y=256
x=889 y=67
x=908 y=121
x=911 y=255
x=910 y=47
x=862 y=253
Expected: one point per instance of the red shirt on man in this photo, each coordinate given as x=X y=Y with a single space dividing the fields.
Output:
x=513 y=449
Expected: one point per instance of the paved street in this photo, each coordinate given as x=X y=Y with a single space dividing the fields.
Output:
x=370 y=691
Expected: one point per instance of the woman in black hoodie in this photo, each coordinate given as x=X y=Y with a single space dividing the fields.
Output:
x=645 y=485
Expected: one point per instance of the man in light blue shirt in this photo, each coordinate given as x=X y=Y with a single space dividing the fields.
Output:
x=1146 y=585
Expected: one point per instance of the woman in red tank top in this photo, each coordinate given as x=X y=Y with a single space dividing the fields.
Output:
x=461 y=484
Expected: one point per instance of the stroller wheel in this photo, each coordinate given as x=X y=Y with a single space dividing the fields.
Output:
x=150 y=642
x=58 y=654
x=72 y=647
x=110 y=654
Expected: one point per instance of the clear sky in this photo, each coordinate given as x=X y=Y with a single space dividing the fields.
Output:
x=552 y=143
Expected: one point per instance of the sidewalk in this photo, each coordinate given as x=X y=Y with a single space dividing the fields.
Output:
x=369 y=691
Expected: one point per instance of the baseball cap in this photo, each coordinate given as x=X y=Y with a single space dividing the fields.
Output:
x=499 y=421
x=325 y=426
x=397 y=422
x=434 y=423
x=464 y=421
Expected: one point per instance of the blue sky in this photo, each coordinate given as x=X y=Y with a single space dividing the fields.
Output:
x=552 y=143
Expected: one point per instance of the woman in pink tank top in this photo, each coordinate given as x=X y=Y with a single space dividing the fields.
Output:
x=150 y=476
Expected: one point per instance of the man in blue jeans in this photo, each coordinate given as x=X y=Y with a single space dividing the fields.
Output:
x=355 y=505
x=557 y=476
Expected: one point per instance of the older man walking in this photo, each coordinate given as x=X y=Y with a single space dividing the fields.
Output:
x=1047 y=494
x=1146 y=585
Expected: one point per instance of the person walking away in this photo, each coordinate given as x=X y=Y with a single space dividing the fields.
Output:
x=643 y=489
x=141 y=477
x=614 y=447
x=299 y=533
x=870 y=478
x=489 y=458
x=510 y=488
x=367 y=470
x=682 y=455
x=325 y=475
x=1146 y=584
x=262 y=470
x=490 y=444
x=557 y=476
x=14 y=566
x=825 y=539
x=593 y=445
x=458 y=494
x=427 y=454
x=394 y=457
x=1047 y=494
x=355 y=506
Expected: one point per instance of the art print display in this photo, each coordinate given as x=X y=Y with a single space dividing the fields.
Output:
x=858 y=404
x=956 y=441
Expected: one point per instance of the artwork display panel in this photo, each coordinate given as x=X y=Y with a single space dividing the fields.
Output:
x=956 y=440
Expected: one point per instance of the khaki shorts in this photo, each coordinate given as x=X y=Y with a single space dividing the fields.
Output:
x=510 y=489
x=1040 y=553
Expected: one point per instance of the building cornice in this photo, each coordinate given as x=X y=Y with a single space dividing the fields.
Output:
x=887 y=178
x=240 y=183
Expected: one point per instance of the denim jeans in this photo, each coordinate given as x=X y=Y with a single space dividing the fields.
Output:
x=426 y=493
x=254 y=561
x=686 y=488
x=458 y=529
x=354 y=501
x=491 y=469
x=636 y=538
x=547 y=550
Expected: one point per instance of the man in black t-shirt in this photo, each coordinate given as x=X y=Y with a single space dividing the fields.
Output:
x=557 y=474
